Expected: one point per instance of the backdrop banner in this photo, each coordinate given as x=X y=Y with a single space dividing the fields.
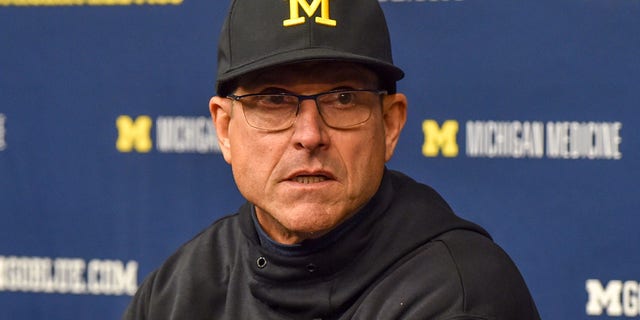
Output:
x=524 y=115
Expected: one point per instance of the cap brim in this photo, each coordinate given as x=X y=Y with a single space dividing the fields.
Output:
x=388 y=72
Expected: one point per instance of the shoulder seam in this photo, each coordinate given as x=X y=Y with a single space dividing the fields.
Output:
x=455 y=263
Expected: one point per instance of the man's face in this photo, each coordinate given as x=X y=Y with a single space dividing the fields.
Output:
x=307 y=179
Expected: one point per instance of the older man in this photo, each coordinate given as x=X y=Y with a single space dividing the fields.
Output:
x=307 y=115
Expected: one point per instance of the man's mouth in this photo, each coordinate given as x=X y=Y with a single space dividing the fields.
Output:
x=309 y=179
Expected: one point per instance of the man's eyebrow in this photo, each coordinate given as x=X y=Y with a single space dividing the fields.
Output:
x=343 y=88
x=273 y=89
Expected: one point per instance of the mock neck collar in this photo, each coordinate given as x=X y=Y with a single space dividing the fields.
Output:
x=308 y=246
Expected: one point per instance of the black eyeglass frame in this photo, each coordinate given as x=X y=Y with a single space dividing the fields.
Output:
x=302 y=98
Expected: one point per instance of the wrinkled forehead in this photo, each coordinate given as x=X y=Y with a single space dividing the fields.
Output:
x=317 y=72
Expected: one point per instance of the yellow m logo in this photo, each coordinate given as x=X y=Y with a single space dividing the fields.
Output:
x=134 y=134
x=436 y=138
x=310 y=10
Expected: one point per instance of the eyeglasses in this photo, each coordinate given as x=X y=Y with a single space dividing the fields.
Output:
x=339 y=109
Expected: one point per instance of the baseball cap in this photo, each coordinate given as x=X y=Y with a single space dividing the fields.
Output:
x=258 y=34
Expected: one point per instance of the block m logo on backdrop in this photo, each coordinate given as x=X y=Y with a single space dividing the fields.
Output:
x=310 y=9
x=134 y=134
x=437 y=139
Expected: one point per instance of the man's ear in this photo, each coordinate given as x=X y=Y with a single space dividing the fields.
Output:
x=394 y=115
x=220 y=109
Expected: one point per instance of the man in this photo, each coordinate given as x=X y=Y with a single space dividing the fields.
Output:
x=307 y=115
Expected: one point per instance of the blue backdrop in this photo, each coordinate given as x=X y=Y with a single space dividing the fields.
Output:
x=523 y=114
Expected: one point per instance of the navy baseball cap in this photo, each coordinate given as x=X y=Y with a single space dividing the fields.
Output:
x=258 y=34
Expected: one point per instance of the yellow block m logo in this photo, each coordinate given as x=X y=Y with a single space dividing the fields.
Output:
x=134 y=134
x=436 y=138
x=310 y=10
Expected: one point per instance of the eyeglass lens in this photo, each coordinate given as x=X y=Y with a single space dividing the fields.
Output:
x=339 y=109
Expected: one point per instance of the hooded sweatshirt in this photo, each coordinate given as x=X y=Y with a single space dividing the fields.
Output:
x=404 y=255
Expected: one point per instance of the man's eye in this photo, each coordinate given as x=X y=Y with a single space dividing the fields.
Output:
x=345 y=97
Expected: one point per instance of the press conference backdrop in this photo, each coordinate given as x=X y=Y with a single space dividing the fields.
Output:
x=523 y=114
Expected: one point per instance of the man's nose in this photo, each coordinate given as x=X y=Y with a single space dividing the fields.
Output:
x=310 y=131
